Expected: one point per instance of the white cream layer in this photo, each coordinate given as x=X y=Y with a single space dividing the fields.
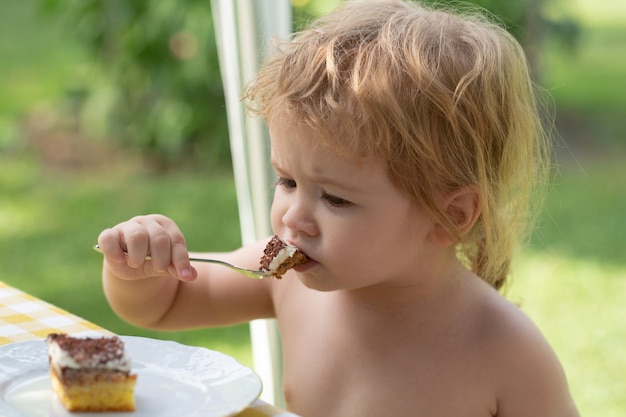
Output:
x=284 y=254
x=62 y=359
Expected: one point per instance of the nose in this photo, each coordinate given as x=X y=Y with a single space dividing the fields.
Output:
x=298 y=217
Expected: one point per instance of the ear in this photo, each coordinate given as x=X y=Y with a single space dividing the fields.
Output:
x=462 y=207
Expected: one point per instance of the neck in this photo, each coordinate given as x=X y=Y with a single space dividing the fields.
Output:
x=419 y=291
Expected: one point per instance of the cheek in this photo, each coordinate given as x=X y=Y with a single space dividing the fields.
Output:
x=276 y=214
x=382 y=246
x=362 y=264
x=280 y=205
x=355 y=250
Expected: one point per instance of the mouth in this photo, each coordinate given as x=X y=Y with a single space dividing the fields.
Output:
x=305 y=266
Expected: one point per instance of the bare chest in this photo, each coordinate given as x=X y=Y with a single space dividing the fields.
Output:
x=336 y=365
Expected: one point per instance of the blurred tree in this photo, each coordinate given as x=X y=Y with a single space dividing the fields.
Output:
x=529 y=22
x=161 y=75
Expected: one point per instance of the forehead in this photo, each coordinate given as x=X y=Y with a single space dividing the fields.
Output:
x=301 y=149
x=343 y=135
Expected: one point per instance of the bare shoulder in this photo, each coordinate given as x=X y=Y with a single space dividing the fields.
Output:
x=530 y=380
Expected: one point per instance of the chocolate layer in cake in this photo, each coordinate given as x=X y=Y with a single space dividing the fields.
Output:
x=280 y=256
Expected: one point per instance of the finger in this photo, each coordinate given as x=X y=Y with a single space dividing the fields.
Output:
x=179 y=253
x=160 y=250
x=109 y=242
x=164 y=235
x=137 y=241
x=186 y=274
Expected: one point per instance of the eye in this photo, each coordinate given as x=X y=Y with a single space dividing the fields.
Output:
x=336 y=201
x=285 y=183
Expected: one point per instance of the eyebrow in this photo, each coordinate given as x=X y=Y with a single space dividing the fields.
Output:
x=319 y=178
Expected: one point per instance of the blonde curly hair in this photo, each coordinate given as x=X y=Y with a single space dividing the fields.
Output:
x=444 y=97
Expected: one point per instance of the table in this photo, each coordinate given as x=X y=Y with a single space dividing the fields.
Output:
x=24 y=317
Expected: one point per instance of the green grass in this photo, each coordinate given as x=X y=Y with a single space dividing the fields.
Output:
x=578 y=304
x=584 y=214
x=571 y=281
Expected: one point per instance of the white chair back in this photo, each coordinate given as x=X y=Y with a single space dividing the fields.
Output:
x=243 y=30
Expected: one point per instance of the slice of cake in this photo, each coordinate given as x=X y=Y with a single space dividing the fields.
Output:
x=280 y=256
x=91 y=374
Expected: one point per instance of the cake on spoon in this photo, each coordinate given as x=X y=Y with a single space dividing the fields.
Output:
x=280 y=256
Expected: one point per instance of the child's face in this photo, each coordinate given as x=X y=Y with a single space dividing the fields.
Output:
x=345 y=214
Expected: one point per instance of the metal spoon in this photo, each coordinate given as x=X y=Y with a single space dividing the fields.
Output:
x=250 y=273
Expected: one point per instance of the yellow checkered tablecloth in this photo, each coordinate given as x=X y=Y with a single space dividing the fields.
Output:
x=24 y=317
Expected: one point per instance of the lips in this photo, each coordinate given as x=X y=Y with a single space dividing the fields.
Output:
x=303 y=267
x=306 y=266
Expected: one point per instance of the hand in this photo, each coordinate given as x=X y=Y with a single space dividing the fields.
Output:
x=154 y=235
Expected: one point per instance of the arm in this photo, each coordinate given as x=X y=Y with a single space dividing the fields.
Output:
x=169 y=292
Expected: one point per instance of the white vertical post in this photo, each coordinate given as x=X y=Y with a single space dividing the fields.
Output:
x=243 y=29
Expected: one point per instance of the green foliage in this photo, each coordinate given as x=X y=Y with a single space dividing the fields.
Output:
x=32 y=71
x=529 y=21
x=160 y=84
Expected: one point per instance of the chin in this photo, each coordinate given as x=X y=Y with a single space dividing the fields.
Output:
x=315 y=282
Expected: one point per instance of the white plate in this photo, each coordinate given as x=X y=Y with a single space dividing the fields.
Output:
x=173 y=380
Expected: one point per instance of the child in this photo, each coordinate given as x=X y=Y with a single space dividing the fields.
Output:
x=406 y=142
